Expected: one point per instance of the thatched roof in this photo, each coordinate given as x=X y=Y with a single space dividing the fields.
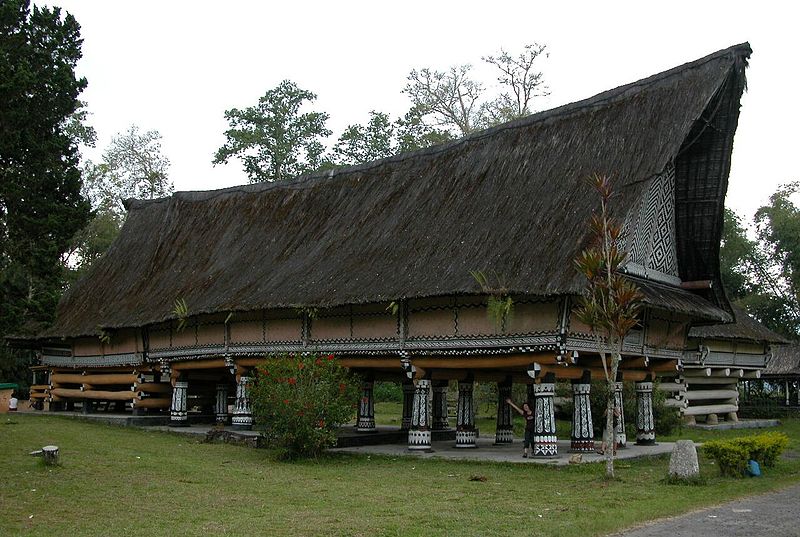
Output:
x=744 y=327
x=785 y=361
x=510 y=200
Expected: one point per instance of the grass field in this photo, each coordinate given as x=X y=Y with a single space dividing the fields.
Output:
x=124 y=481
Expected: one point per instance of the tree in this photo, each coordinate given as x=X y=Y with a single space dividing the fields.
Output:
x=520 y=80
x=450 y=97
x=456 y=102
x=41 y=206
x=381 y=138
x=364 y=143
x=763 y=275
x=273 y=139
x=132 y=167
x=610 y=304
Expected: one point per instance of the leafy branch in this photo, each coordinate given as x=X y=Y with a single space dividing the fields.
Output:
x=181 y=311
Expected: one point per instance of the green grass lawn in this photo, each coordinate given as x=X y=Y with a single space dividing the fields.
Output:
x=125 y=481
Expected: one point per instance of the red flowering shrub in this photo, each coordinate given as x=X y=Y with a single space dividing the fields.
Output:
x=299 y=400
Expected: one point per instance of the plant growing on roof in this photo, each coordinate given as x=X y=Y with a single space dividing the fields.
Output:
x=499 y=305
x=181 y=311
x=610 y=303
x=103 y=335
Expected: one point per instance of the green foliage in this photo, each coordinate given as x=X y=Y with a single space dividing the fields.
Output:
x=388 y=392
x=499 y=305
x=732 y=455
x=299 y=401
x=41 y=206
x=763 y=276
x=273 y=139
x=181 y=311
x=364 y=143
x=520 y=81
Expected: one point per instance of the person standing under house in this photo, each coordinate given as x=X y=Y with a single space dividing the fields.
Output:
x=527 y=414
x=13 y=402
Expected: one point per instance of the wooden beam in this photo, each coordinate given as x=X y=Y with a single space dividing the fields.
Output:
x=214 y=363
x=694 y=395
x=152 y=402
x=153 y=387
x=710 y=409
x=124 y=395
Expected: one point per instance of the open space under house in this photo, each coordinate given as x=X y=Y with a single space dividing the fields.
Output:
x=373 y=263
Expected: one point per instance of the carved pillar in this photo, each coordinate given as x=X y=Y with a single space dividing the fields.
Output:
x=465 y=420
x=221 y=406
x=645 y=425
x=440 y=421
x=544 y=437
x=178 y=417
x=366 y=408
x=419 y=436
x=505 y=427
x=408 y=405
x=242 y=413
x=582 y=439
x=619 y=431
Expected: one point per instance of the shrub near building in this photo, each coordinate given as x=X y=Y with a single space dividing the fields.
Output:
x=299 y=400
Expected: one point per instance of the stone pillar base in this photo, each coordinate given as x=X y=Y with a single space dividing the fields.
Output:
x=466 y=439
x=419 y=440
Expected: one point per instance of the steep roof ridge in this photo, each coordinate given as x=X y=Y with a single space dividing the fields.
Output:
x=589 y=104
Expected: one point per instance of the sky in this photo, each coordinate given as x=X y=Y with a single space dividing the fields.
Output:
x=176 y=66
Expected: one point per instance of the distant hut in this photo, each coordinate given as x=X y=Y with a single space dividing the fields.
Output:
x=717 y=358
x=373 y=263
x=783 y=372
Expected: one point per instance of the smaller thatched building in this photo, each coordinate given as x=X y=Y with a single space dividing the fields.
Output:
x=717 y=357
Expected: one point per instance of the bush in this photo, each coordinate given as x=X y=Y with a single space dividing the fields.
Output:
x=388 y=392
x=300 y=400
x=732 y=455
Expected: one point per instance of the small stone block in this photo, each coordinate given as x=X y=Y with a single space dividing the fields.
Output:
x=683 y=461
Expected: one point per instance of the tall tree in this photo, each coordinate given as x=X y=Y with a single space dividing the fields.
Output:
x=273 y=139
x=381 y=138
x=132 y=166
x=520 y=83
x=364 y=143
x=763 y=275
x=455 y=101
x=610 y=304
x=41 y=206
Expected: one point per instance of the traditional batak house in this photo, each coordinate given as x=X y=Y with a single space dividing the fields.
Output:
x=375 y=264
x=783 y=372
x=716 y=359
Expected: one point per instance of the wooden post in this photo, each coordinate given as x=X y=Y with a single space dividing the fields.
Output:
x=178 y=415
x=582 y=439
x=51 y=456
x=645 y=424
x=419 y=436
x=221 y=406
x=408 y=404
x=440 y=420
x=505 y=427
x=366 y=408
x=544 y=440
x=242 y=412
x=465 y=416
x=620 y=437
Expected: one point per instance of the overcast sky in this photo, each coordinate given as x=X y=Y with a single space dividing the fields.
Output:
x=176 y=66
